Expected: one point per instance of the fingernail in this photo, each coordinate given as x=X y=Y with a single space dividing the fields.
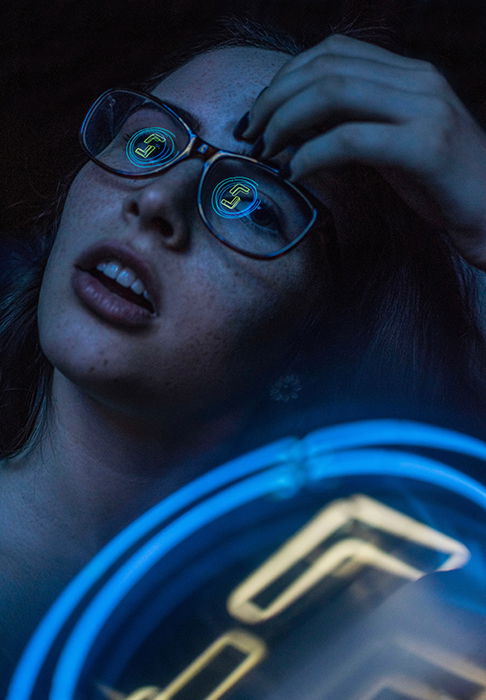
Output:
x=285 y=171
x=258 y=147
x=241 y=126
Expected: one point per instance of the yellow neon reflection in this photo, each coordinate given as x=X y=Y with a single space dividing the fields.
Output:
x=352 y=553
x=148 y=692
x=145 y=152
x=234 y=191
x=344 y=558
x=154 y=137
x=254 y=649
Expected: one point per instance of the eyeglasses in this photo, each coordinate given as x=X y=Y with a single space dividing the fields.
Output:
x=243 y=202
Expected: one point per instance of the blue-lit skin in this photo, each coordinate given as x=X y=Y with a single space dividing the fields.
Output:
x=151 y=146
x=90 y=473
x=205 y=315
x=188 y=373
x=137 y=414
x=388 y=111
x=329 y=453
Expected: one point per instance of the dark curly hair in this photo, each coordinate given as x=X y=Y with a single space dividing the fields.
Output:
x=404 y=299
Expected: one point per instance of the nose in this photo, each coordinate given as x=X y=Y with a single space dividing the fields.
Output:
x=165 y=204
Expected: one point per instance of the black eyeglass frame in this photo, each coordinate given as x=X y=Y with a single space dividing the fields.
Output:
x=198 y=148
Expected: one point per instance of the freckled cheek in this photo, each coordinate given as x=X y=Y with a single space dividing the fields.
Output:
x=209 y=309
x=85 y=198
x=250 y=316
x=212 y=303
x=248 y=302
x=78 y=222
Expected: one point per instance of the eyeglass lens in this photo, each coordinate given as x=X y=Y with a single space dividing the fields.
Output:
x=251 y=208
x=242 y=202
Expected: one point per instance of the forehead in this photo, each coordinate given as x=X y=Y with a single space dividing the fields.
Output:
x=219 y=86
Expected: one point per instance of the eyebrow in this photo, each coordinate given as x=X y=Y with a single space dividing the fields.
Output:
x=196 y=125
x=191 y=119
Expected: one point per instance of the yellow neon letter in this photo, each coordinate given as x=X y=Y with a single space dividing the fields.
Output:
x=343 y=558
x=246 y=643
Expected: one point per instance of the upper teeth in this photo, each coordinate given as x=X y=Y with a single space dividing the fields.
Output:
x=124 y=276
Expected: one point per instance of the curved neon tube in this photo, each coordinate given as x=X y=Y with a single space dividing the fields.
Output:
x=44 y=635
x=398 y=464
x=321 y=441
x=77 y=647
x=393 y=432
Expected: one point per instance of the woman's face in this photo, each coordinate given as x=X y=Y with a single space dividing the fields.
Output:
x=224 y=319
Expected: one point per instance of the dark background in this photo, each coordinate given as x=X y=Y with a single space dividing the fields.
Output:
x=57 y=55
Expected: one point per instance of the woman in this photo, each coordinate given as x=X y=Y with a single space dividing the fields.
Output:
x=114 y=413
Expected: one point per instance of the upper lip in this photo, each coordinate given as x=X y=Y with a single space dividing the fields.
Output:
x=106 y=250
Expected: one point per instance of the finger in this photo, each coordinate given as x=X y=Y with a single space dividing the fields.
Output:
x=336 y=67
x=350 y=47
x=327 y=102
x=368 y=143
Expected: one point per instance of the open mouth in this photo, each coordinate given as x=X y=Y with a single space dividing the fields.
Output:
x=124 y=292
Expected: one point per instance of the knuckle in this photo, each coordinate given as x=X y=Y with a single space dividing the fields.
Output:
x=349 y=136
x=337 y=85
x=439 y=78
x=435 y=78
x=422 y=66
x=275 y=126
x=302 y=161
x=320 y=63
x=357 y=140
x=335 y=42
x=425 y=65
x=431 y=73
x=272 y=134
x=438 y=110
x=430 y=149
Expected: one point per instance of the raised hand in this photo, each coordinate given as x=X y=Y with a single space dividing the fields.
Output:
x=397 y=114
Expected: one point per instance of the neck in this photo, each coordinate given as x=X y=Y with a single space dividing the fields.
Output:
x=95 y=469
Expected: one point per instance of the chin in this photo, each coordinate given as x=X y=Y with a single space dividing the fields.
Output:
x=78 y=350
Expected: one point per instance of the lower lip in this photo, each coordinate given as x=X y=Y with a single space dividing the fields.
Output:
x=107 y=304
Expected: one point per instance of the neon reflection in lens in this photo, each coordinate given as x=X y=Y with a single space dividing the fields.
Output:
x=227 y=197
x=150 y=147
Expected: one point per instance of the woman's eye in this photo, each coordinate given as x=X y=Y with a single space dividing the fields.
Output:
x=264 y=216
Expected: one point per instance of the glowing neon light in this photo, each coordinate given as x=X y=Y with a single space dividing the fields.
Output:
x=150 y=147
x=253 y=648
x=402 y=465
x=320 y=465
x=246 y=643
x=236 y=200
x=392 y=432
x=78 y=645
x=225 y=198
x=83 y=635
x=355 y=551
